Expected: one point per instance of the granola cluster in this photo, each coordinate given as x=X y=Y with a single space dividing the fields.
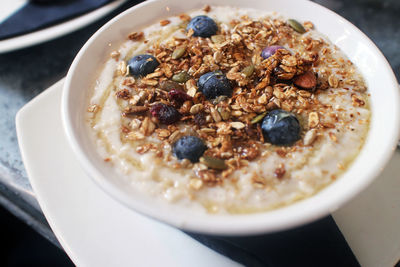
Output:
x=230 y=126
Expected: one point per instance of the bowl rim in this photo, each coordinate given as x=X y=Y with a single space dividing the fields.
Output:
x=283 y=218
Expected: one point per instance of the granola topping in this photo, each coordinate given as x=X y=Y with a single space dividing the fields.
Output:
x=268 y=63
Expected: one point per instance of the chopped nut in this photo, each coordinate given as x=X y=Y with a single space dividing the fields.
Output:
x=310 y=137
x=306 y=81
x=124 y=94
x=280 y=171
x=191 y=87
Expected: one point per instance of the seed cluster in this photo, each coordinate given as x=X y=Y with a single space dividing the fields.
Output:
x=166 y=104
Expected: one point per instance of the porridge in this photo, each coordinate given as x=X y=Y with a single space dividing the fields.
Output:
x=228 y=110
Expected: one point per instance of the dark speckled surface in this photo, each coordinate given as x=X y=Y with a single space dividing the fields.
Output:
x=27 y=72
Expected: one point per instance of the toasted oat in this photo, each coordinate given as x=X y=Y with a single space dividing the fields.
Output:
x=207 y=8
x=238 y=125
x=215 y=115
x=308 y=25
x=185 y=17
x=147 y=127
x=93 y=108
x=333 y=81
x=195 y=183
x=333 y=137
x=357 y=101
x=136 y=36
x=196 y=108
x=115 y=55
x=135 y=136
x=122 y=68
x=313 y=119
x=164 y=22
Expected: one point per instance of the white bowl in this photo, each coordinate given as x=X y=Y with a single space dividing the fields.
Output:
x=381 y=141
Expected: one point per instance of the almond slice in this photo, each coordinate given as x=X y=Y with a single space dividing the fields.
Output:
x=307 y=80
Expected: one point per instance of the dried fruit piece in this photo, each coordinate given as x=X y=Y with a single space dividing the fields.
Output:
x=178 y=96
x=307 y=80
x=165 y=114
x=296 y=26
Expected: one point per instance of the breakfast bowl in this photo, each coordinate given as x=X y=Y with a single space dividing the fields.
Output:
x=377 y=148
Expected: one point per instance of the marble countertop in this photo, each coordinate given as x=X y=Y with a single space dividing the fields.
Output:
x=26 y=73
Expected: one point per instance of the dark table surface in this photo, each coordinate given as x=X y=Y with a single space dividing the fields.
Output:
x=26 y=73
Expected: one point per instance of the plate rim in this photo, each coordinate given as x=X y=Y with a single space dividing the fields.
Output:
x=58 y=30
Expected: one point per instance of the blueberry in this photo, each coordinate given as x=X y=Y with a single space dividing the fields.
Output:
x=280 y=127
x=141 y=65
x=189 y=147
x=270 y=51
x=202 y=26
x=214 y=84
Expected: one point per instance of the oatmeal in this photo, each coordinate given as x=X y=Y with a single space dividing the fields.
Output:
x=227 y=110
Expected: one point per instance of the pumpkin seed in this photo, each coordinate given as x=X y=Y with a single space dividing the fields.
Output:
x=169 y=85
x=258 y=118
x=248 y=71
x=181 y=77
x=178 y=52
x=296 y=26
x=219 y=99
x=213 y=163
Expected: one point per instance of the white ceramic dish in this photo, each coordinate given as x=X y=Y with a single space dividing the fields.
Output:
x=96 y=230
x=52 y=32
x=381 y=141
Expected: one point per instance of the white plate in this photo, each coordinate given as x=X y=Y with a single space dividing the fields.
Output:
x=95 y=230
x=52 y=32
